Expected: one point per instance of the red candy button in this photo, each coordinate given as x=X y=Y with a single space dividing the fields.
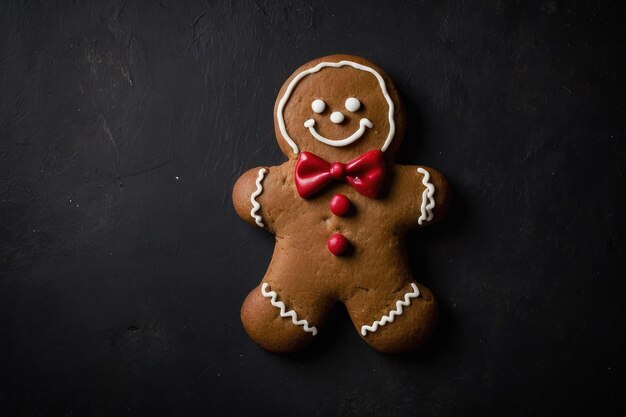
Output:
x=337 y=244
x=339 y=205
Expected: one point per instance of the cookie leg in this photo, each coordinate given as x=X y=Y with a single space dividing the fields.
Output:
x=282 y=321
x=394 y=320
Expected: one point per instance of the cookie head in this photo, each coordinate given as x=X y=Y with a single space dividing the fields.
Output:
x=338 y=107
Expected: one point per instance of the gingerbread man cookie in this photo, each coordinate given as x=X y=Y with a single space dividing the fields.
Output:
x=340 y=208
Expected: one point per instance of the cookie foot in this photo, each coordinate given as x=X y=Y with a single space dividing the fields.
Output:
x=397 y=321
x=275 y=325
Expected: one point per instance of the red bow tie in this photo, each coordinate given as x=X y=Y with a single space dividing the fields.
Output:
x=365 y=173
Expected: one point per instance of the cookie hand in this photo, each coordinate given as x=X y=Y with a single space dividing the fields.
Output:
x=434 y=195
x=248 y=196
x=421 y=194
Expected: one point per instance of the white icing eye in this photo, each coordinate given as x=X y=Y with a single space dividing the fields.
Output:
x=318 y=106
x=353 y=104
x=336 y=117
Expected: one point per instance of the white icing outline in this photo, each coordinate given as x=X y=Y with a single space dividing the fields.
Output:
x=363 y=123
x=283 y=310
x=393 y=313
x=301 y=75
x=426 y=209
x=255 y=204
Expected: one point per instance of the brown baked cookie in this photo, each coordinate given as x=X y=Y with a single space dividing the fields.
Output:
x=340 y=208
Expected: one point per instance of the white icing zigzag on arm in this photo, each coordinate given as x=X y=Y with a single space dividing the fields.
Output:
x=255 y=205
x=283 y=310
x=427 y=195
x=393 y=313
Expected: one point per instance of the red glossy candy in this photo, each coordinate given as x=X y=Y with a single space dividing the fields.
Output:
x=337 y=244
x=339 y=205
x=337 y=170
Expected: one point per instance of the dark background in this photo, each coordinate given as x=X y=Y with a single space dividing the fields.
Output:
x=124 y=125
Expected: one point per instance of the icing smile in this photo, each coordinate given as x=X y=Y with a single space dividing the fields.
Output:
x=363 y=123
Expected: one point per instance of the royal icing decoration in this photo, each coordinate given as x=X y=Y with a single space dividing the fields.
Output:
x=311 y=123
x=283 y=310
x=318 y=106
x=337 y=117
x=365 y=173
x=353 y=104
x=393 y=313
x=340 y=205
x=363 y=123
x=255 y=204
x=428 y=202
x=337 y=244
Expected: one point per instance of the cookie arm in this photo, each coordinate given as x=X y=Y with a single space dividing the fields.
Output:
x=250 y=196
x=426 y=195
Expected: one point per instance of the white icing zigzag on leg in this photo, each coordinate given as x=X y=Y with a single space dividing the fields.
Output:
x=426 y=209
x=255 y=205
x=393 y=313
x=283 y=313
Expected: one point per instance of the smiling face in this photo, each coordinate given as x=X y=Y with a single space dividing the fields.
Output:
x=352 y=105
x=338 y=107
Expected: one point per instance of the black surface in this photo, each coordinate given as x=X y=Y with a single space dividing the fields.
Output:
x=123 y=127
